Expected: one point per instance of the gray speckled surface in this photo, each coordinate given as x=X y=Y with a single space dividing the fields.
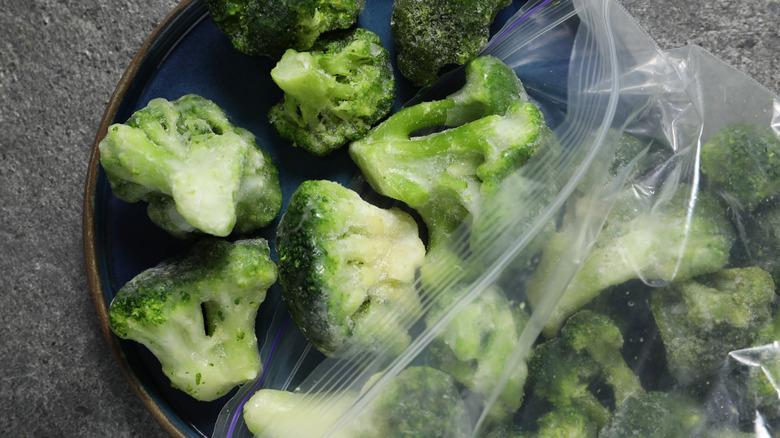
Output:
x=59 y=63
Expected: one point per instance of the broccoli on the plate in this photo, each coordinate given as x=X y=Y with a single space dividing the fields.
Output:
x=444 y=174
x=418 y=402
x=195 y=169
x=702 y=319
x=347 y=268
x=269 y=27
x=196 y=314
x=432 y=34
x=666 y=243
x=741 y=163
x=334 y=93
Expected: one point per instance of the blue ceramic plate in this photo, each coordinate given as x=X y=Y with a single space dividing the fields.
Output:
x=187 y=54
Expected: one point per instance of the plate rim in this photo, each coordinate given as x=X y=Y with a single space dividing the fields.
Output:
x=89 y=232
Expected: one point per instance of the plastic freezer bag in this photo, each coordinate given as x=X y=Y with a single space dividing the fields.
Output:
x=621 y=282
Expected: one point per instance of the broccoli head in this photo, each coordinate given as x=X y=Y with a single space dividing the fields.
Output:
x=572 y=369
x=334 y=93
x=432 y=34
x=702 y=319
x=269 y=27
x=196 y=314
x=761 y=240
x=347 y=268
x=668 y=242
x=741 y=163
x=195 y=169
x=443 y=175
x=656 y=415
x=478 y=343
x=418 y=402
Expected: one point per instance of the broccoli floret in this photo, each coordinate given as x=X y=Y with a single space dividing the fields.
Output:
x=431 y=34
x=477 y=344
x=656 y=415
x=701 y=320
x=741 y=163
x=571 y=370
x=663 y=244
x=566 y=422
x=761 y=240
x=444 y=175
x=334 y=93
x=347 y=268
x=419 y=402
x=195 y=169
x=269 y=27
x=196 y=314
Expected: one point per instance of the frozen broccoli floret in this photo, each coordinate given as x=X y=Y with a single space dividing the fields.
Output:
x=702 y=319
x=741 y=163
x=347 y=268
x=656 y=415
x=196 y=314
x=444 y=175
x=476 y=346
x=419 y=402
x=432 y=34
x=663 y=244
x=334 y=93
x=569 y=371
x=269 y=27
x=760 y=245
x=196 y=170
x=566 y=422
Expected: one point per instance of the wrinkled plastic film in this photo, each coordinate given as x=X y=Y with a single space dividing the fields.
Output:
x=630 y=121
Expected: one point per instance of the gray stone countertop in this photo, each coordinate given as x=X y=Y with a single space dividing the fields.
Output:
x=59 y=63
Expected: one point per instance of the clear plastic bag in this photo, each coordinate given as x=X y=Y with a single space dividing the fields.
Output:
x=619 y=209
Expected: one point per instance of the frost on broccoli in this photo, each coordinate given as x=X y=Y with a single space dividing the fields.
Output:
x=476 y=347
x=347 y=268
x=432 y=34
x=702 y=319
x=661 y=244
x=196 y=314
x=334 y=93
x=419 y=402
x=741 y=163
x=444 y=175
x=269 y=27
x=195 y=169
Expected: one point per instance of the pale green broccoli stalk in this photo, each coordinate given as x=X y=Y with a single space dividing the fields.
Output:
x=702 y=319
x=444 y=175
x=347 y=268
x=334 y=93
x=419 y=402
x=432 y=34
x=663 y=244
x=741 y=163
x=196 y=314
x=196 y=170
x=567 y=370
x=656 y=415
x=476 y=346
x=269 y=27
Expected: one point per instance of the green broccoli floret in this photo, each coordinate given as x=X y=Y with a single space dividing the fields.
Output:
x=656 y=415
x=419 y=402
x=571 y=370
x=566 y=422
x=347 y=268
x=195 y=169
x=444 y=175
x=476 y=346
x=431 y=34
x=269 y=27
x=196 y=314
x=741 y=163
x=663 y=244
x=761 y=240
x=334 y=93
x=702 y=319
